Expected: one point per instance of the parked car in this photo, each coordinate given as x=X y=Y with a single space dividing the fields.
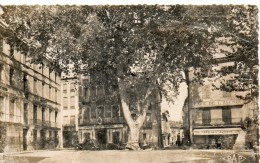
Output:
x=88 y=144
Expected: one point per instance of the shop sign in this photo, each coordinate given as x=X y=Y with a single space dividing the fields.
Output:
x=225 y=131
x=217 y=103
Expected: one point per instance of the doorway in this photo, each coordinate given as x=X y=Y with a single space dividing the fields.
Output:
x=25 y=131
x=116 y=137
x=101 y=136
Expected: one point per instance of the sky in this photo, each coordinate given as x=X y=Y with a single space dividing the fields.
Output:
x=175 y=109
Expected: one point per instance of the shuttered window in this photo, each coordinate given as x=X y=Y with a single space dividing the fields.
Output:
x=206 y=117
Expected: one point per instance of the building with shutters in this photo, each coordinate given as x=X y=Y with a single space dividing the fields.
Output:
x=29 y=98
x=101 y=117
x=70 y=109
x=215 y=116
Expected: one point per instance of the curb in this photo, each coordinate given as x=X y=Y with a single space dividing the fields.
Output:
x=31 y=151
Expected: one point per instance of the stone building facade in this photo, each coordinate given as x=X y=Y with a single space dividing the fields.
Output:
x=215 y=116
x=100 y=114
x=29 y=99
x=70 y=110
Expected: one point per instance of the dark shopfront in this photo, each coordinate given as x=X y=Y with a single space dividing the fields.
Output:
x=212 y=139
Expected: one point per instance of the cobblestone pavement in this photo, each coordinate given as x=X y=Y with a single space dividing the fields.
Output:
x=149 y=156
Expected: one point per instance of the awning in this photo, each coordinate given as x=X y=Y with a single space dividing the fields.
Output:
x=222 y=131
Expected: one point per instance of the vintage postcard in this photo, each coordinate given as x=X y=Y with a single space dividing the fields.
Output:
x=138 y=83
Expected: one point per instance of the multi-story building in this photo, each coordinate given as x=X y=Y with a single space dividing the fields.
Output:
x=215 y=116
x=176 y=133
x=101 y=115
x=29 y=103
x=70 y=109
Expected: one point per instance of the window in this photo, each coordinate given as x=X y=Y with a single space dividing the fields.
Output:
x=1 y=44
x=72 y=87
x=115 y=111
x=65 y=103
x=34 y=113
x=1 y=70
x=25 y=82
x=56 y=93
x=65 y=88
x=65 y=120
x=43 y=85
x=50 y=115
x=72 y=102
x=72 y=119
x=86 y=114
x=93 y=90
x=34 y=135
x=43 y=114
x=56 y=115
x=50 y=92
x=86 y=92
x=100 y=111
x=144 y=136
x=35 y=86
x=11 y=110
x=11 y=50
x=108 y=112
x=11 y=76
x=25 y=113
x=206 y=118
x=93 y=113
x=100 y=90
x=226 y=115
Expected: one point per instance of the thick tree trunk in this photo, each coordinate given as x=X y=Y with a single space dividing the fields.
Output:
x=133 y=137
x=134 y=125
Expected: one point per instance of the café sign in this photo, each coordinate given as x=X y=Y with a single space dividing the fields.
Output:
x=230 y=102
x=224 y=131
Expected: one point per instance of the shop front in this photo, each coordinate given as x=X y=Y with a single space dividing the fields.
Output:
x=221 y=138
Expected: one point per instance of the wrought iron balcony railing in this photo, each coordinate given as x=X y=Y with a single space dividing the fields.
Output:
x=10 y=118
x=106 y=120
x=217 y=122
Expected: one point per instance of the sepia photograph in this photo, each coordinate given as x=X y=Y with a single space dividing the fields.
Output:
x=129 y=83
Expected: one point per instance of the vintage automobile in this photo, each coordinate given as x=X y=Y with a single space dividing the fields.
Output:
x=88 y=144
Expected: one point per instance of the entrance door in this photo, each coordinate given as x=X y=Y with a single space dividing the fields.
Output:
x=25 y=131
x=116 y=137
x=43 y=138
x=101 y=136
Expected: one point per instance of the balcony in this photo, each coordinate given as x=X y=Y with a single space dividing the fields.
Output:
x=96 y=121
x=36 y=122
x=217 y=122
x=54 y=124
x=10 y=118
x=46 y=123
